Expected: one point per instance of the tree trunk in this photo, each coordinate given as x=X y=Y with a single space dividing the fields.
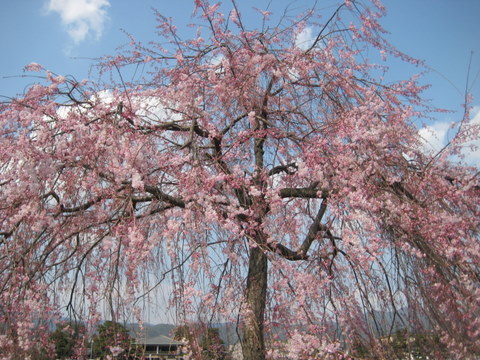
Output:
x=253 y=344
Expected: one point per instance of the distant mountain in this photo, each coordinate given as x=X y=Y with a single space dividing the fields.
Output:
x=227 y=331
x=385 y=322
x=150 y=330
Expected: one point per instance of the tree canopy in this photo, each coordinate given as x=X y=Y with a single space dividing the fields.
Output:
x=112 y=338
x=66 y=339
x=202 y=342
x=277 y=184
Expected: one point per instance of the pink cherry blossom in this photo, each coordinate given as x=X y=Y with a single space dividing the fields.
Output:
x=244 y=179
x=33 y=67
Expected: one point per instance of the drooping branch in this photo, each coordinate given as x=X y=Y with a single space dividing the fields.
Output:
x=321 y=34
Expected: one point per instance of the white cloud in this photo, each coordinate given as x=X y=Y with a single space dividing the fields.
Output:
x=472 y=148
x=304 y=39
x=81 y=17
x=437 y=135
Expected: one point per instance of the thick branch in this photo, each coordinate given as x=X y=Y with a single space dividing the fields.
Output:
x=243 y=198
x=314 y=228
x=288 y=169
x=160 y=195
x=173 y=126
x=400 y=190
x=307 y=193
x=82 y=207
x=301 y=252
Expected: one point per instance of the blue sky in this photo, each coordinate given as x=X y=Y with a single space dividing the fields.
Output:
x=64 y=35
